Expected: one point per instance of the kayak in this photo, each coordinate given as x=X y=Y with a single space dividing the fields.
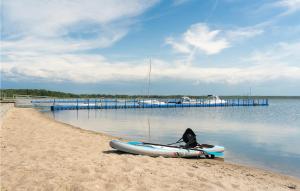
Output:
x=156 y=150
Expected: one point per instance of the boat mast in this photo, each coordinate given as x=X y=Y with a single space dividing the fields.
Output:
x=149 y=79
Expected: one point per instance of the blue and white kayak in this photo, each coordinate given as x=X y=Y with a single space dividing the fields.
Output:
x=156 y=150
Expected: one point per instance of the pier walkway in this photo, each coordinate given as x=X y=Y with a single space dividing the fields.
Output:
x=74 y=104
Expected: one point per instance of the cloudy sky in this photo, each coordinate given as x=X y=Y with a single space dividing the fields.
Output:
x=196 y=46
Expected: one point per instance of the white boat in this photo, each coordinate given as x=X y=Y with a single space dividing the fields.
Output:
x=213 y=99
x=187 y=100
x=151 y=102
x=191 y=149
x=156 y=150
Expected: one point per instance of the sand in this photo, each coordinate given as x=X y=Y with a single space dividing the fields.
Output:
x=38 y=153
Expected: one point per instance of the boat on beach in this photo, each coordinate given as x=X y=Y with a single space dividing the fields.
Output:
x=191 y=149
x=156 y=150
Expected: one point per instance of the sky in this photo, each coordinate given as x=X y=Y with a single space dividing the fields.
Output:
x=196 y=47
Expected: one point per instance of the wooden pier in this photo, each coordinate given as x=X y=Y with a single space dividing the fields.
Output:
x=75 y=104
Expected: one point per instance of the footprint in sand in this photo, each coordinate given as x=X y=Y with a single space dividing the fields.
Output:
x=202 y=179
x=190 y=174
x=33 y=157
x=85 y=170
x=110 y=186
x=235 y=186
x=75 y=187
x=128 y=167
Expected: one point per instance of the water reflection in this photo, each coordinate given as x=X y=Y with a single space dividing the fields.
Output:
x=266 y=137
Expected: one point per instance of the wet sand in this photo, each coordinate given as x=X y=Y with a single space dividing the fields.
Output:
x=38 y=153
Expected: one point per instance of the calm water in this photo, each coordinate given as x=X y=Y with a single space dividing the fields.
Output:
x=264 y=137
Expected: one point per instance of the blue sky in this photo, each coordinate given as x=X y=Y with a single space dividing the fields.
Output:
x=197 y=47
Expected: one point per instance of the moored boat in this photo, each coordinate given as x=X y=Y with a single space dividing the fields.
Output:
x=151 y=102
x=213 y=99
x=188 y=100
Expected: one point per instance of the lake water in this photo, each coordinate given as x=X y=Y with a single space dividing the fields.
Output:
x=264 y=136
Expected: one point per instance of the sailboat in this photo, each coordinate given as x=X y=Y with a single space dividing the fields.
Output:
x=150 y=101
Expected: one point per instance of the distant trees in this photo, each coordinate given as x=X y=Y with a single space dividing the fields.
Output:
x=9 y=93
x=35 y=92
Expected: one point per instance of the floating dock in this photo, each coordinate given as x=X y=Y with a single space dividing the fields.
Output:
x=75 y=104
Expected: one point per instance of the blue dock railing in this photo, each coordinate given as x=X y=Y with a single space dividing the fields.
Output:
x=74 y=104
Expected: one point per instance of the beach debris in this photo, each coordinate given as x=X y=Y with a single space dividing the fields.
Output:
x=291 y=186
x=248 y=174
x=195 y=166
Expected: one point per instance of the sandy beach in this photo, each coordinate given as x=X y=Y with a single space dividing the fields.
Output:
x=38 y=153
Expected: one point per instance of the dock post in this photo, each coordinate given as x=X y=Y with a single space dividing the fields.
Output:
x=143 y=102
x=77 y=103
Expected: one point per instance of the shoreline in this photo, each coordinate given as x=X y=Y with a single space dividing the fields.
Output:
x=38 y=152
x=216 y=159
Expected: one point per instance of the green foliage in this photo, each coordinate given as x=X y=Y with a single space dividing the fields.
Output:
x=35 y=92
x=9 y=93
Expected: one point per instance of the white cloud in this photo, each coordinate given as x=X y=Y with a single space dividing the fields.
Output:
x=283 y=8
x=56 y=20
x=279 y=63
x=41 y=50
x=281 y=53
x=40 y=38
x=68 y=67
x=179 y=47
x=291 y=6
x=44 y=17
x=200 y=38
x=243 y=33
x=59 y=45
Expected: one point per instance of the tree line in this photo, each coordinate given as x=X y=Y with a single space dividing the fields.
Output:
x=11 y=93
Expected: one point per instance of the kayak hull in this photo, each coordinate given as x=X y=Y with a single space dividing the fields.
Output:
x=154 y=150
